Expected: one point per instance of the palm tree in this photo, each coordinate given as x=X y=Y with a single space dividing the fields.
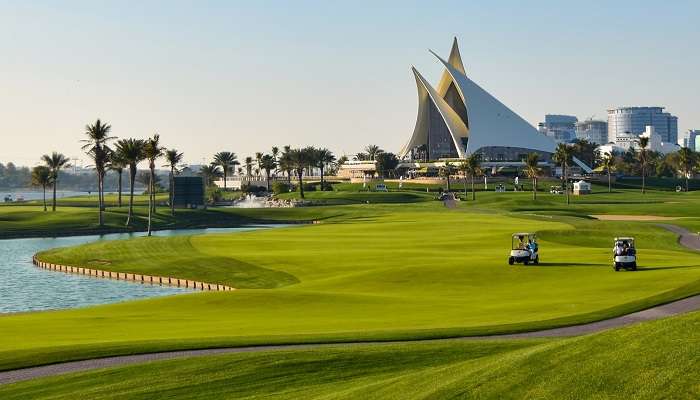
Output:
x=324 y=158
x=533 y=171
x=686 y=160
x=173 y=159
x=117 y=164
x=562 y=156
x=152 y=151
x=209 y=172
x=471 y=167
x=258 y=157
x=608 y=162
x=227 y=161
x=55 y=162
x=132 y=152
x=445 y=172
x=275 y=152
x=285 y=164
x=372 y=150
x=41 y=176
x=96 y=147
x=300 y=159
x=248 y=166
x=643 y=158
x=268 y=163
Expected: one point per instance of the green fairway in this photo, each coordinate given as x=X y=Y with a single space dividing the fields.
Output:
x=647 y=361
x=368 y=272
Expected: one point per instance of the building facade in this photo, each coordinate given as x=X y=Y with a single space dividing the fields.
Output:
x=560 y=128
x=625 y=121
x=690 y=139
x=594 y=131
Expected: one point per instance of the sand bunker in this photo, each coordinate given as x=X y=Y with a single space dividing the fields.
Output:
x=621 y=217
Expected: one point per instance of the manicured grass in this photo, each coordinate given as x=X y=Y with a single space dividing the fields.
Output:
x=368 y=272
x=647 y=361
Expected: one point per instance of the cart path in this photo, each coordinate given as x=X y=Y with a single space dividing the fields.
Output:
x=685 y=237
x=683 y=306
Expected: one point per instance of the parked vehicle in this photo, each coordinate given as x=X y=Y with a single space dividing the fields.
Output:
x=524 y=249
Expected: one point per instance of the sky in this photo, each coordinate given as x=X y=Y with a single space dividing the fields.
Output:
x=244 y=76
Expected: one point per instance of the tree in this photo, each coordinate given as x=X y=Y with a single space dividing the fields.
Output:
x=96 y=147
x=385 y=163
x=563 y=156
x=372 y=151
x=55 y=162
x=585 y=151
x=173 y=159
x=117 y=164
x=643 y=158
x=132 y=152
x=275 y=153
x=268 y=163
x=227 y=161
x=445 y=171
x=532 y=170
x=152 y=151
x=686 y=160
x=248 y=163
x=41 y=176
x=300 y=159
x=209 y=173
x=470 y=167
x=323 y=159
x=608 y=162
x=258 y=157
x=285 y=164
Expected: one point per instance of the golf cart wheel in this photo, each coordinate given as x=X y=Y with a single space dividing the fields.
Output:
x=511 y=260
x=526 y=262
x=617 y=267
x=634 y=266
x=537 y=260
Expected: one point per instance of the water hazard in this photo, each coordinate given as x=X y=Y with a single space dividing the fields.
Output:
x=28 y=288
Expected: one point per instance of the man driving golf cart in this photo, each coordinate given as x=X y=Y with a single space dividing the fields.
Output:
x=524 y=249
x=624 y=254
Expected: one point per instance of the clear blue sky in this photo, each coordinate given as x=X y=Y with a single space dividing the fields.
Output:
x=244 y=76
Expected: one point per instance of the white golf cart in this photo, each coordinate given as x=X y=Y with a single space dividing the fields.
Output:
x=624 y=254
x=524 y=249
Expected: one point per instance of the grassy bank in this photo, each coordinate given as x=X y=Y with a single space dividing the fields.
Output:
x=647 y=361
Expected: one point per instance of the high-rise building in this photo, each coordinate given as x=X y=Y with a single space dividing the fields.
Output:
x=560 y=128
x=625 y=121
x=690 y=139
x=594 y=131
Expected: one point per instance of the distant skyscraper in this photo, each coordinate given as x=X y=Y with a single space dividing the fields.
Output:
x=624 y=121
x=561 y=128
x=690 y=139
x=592 y=130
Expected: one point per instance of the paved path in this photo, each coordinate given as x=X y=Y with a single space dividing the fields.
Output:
x=689 y=304
x=685 y=237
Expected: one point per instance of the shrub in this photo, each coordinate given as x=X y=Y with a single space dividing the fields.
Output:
x=280 y=187
x=252 y=189
x=309 y=187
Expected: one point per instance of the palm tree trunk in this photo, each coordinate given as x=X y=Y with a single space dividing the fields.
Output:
x=686 y=182
x=609 y=184
x=643 y=178
x=150 y=202
x=55 y=183
x=321 y=177
x=473 y=191
x=267 y=174
x=566 y=183
x=100 y=207
x=534 y=188
x=119 y=189
x=448 y=182
x=132 y=178
x=44 y=186
x=300 y=174
x=172 y=191
x=466 y=197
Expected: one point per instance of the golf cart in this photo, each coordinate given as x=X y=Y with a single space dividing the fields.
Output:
x=556 y=190
x=524 y=249
x=624 y=254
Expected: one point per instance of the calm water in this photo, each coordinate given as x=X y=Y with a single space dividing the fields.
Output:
x=27 y=288
x=38 y=195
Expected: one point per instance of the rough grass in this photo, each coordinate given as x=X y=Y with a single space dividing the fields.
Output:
x=652 y=360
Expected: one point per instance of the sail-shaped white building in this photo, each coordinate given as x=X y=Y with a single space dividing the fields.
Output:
x=459 y=118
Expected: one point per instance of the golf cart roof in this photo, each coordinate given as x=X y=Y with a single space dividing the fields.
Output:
x=523 y=234
x=624 y=238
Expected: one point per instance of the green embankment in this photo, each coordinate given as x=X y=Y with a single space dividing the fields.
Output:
x=652 y=360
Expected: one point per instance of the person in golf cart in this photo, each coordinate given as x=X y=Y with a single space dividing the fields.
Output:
x=624 y=254
x=524 y=249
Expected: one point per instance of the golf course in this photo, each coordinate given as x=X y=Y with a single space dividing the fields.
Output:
x=379 y=267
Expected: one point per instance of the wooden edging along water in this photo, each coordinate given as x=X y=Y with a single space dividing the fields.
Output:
x=127 y=276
